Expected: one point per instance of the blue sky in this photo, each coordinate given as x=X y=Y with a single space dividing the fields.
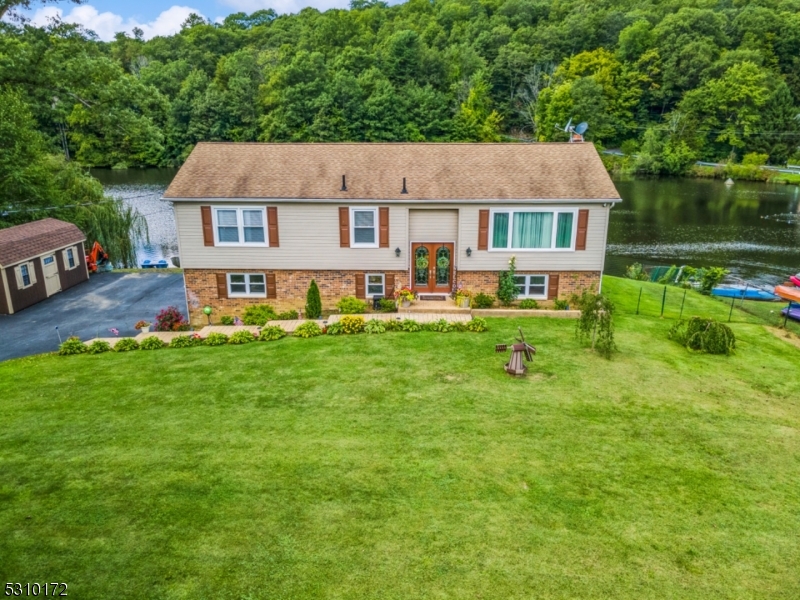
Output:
x=155 y=17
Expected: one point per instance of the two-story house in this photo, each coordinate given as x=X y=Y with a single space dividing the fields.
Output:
x=257 y=222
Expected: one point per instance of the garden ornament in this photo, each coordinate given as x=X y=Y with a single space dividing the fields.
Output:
x=516 y=365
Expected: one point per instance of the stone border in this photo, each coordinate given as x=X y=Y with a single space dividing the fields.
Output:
x=511 y=312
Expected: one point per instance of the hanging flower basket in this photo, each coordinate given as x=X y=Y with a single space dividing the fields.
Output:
x=422 y=262
x=443 y=262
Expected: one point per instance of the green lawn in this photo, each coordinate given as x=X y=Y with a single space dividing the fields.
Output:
x=409 y=466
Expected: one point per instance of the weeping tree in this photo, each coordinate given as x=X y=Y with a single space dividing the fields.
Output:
x=117 y=226
x=36 y=183
x=596 y=322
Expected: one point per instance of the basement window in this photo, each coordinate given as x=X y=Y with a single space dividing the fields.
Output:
x=242 y=285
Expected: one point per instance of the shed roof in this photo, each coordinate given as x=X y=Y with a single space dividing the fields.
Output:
x=22 y=242
x=552 y=171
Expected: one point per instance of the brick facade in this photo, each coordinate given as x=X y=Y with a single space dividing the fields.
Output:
x=291 y=288
x=569 y=282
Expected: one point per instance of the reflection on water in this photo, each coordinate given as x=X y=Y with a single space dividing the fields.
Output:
x=142 y=189
x=751 y=228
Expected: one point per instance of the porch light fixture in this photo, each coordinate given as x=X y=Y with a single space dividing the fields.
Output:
x=397 y=252
x=469 y=251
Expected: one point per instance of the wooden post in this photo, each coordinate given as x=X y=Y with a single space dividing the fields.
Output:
x=663 y=300
x=682 y=303
x=640 y=300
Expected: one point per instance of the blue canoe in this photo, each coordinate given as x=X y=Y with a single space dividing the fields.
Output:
x=741 y=291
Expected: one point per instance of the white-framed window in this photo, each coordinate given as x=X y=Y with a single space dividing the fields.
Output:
x=26 y=275
x=376 y=284
x=247 y=284
x=531 y=286
x=237 y=226
x=363 y=227
x=533 y=229
x=70 y=258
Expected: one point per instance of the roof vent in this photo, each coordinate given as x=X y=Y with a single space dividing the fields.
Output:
x=344 y=184
x=405 y=191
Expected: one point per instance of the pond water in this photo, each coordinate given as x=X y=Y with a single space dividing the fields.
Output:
x=751 y=228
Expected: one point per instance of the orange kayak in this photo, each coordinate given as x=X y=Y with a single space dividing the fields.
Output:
x=788 y=293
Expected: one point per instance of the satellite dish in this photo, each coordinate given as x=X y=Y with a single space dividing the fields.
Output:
x=581 y=128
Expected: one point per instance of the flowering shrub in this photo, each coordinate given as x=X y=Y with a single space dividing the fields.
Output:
x=308 y=329
x=171 y=319
x=142 y=323
x=352 y=325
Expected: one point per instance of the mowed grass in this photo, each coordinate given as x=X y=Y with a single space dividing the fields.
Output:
x=408 y=466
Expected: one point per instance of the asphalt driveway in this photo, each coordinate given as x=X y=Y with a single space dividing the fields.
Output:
x=88 y=310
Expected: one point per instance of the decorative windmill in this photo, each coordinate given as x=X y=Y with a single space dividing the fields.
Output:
x=516 y=366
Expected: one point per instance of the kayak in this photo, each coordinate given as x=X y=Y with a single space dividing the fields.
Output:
x=793 y=311
x=741 y=291
x=795 y=280
x=788 y=293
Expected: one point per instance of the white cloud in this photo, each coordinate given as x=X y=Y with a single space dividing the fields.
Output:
x=106 y=24
x=284 y=6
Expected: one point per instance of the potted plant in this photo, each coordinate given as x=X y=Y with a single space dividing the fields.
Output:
x=142 y=326
x=463 y=298
x=404 y=296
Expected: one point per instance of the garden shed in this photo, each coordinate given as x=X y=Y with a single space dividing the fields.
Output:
x=37 y=260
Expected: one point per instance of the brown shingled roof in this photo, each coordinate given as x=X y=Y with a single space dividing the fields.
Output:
x=22 y=242
x=375 y=171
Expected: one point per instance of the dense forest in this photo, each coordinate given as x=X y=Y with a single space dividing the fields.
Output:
x=674 y=81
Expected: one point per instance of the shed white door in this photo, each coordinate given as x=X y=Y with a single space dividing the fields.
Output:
x=52 y=282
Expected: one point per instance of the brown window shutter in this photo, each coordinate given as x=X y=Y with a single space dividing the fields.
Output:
x=483 y=230
x=344 y=227
x=222 y=285
x=583 y=222
x=361 y=290
x=272 y=226
x=208 y=227
x=552 y=287
x=383 y=221
x=272 y=290
x=388 y=291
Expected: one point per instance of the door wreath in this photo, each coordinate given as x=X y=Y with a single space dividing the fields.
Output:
x=422 y=262
x=443 y=262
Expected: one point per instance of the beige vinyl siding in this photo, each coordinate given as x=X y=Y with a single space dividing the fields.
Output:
x=432 y=225
x=591 y=259
x=309 y=239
